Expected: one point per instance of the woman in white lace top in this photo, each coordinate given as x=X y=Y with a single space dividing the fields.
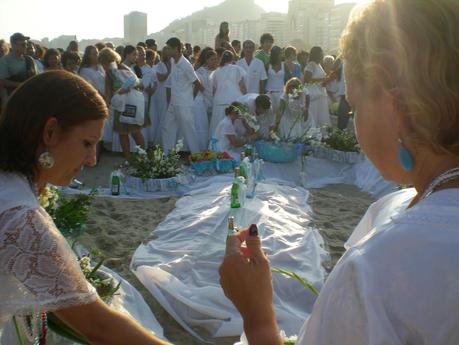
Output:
x=48 y=132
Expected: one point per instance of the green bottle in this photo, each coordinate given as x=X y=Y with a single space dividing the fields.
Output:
x=116 y=184
x=235 y=202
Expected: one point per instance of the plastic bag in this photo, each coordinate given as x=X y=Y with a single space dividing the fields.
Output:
x=134 y=109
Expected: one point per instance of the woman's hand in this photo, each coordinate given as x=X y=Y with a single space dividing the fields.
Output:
x=245 y=277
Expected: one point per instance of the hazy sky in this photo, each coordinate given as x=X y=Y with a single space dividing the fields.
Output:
x=100 y=18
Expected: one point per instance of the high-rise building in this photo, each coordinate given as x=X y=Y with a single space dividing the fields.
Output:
x=305 y=17
x=275 y=23
x=135 y=27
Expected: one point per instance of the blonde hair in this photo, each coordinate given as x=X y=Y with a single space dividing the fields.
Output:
x=292 y=83
x=410 y=48
x=108 y=55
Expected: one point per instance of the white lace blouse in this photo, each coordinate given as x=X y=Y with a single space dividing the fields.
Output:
x=38 y=270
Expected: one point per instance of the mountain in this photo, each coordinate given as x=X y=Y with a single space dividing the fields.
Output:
x=229 y=10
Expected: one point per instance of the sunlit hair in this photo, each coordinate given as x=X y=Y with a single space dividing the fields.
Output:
x=108 y=55
x=410 y=49
x=234 y=107
x=292 y=83
x=227 y=57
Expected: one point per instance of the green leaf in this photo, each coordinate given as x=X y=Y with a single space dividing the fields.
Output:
x=295 y=276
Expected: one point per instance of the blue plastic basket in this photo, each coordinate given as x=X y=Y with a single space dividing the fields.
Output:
x=204 y=167
x=224 y=165
x=278 y=152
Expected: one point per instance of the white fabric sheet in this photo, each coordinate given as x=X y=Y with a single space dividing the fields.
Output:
x=180 y=267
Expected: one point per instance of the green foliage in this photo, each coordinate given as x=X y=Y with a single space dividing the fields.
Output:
x=153 y=163
x=295 y=276
x=69 y=213
x=341 y=140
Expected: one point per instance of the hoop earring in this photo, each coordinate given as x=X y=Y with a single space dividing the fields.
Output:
x=46 y=160
x=405 y=158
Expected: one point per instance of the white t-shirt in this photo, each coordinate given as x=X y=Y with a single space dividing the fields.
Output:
x=224 y=128
x=399 y=283
x=275 y=79
x=225 y=81
x=255 y=72
x=181 y=82
x=264 y=120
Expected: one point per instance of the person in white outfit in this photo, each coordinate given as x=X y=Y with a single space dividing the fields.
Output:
x=228 y=84
x=91 y=71
x=227 y=135
x=315 y=79
x=276 y=74
x=184 y=84
x=202 y=107
x=260 y=107
x=398 y=281
x=160 y=99
x=255 y=70
x=292 y=116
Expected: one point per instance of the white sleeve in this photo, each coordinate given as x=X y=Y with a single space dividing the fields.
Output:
x=310 y=67
x=190 y=73
x=37 y=260
x=340 y=312
x=228 y=129
x=263 y=75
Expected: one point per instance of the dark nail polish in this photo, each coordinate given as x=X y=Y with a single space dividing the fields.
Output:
x=253 y=230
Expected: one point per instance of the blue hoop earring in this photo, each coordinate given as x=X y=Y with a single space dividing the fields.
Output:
x=405 y=158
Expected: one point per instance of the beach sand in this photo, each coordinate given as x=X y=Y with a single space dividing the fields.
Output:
x=117 y=227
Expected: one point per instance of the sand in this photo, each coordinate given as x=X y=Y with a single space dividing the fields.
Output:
x=117 y=227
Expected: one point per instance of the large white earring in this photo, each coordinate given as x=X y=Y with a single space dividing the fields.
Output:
x=46 y=160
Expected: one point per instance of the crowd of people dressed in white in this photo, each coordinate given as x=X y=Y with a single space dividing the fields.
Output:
x=157 y=97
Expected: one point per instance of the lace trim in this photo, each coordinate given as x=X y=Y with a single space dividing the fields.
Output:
x=38 y=264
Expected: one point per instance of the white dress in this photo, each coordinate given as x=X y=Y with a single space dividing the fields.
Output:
x=38 y=270
x=275 y=85
x=225 y=82
x=149 y=80
x=201 y=108
x=292 y=124
x=398 y=281
x=96 y=77
x=159 y=105
x=318 y=106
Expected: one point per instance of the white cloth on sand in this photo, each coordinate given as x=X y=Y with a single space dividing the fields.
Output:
x=180 y=267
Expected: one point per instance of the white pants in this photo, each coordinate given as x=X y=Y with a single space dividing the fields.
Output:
x=181 y=118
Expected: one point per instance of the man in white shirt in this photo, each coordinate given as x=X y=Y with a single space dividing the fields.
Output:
x=184 y=84
x=260 y=107
x=256 y=76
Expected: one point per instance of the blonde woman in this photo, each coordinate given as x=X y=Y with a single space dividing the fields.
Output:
x=110 y=61
x=398 y=281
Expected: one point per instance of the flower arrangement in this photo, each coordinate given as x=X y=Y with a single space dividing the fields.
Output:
x=341 y=140
x=104 y=285
x=69 y=214
x=154 y=163
x=248 y=118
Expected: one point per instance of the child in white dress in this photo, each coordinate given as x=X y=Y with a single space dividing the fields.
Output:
x=293 y=113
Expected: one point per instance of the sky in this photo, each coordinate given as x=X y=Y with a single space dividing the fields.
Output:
x=100 y=18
